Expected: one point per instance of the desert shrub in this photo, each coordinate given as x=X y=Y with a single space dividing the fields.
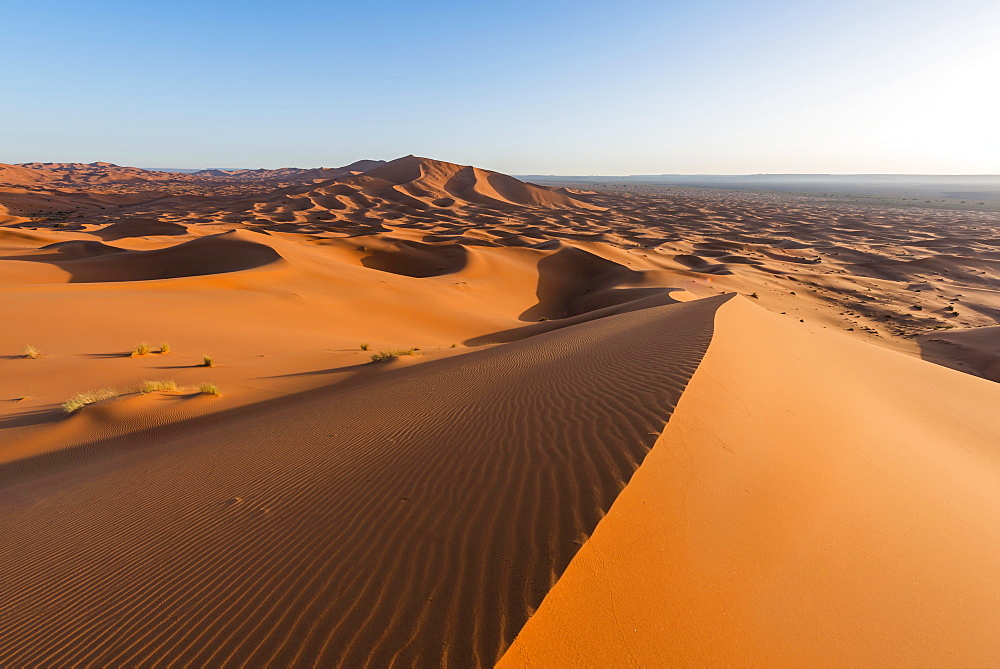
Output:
x=209 y=389
x=31 y=352
x=365 y=346
x=80 y=400
x=207 y=361
x=151 y=386
x=141 y=349
x=392 y=354
x=164 y=348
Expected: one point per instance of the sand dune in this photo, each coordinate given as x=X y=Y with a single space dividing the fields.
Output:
x=139 y=227
x=820 y=495
x=18 y=175
x=430 y=528
x=410 y=258
x=409 y=186
x=93 y=262
x=443 y=184
x=810 y=502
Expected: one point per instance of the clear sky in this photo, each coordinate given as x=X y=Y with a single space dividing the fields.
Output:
x=519 y=86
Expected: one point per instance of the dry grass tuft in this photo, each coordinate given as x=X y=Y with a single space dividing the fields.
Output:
x=31 y=352
x=207 y=361
x=151 y=386
x=365 y=346
x=209 y=389
x=164 y=348
x=77 y=402
x=392 y=354
x=141 y=349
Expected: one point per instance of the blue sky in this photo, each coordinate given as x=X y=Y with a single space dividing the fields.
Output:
x=554 y=87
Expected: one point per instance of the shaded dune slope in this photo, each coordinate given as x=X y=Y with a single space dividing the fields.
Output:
x=93 y=262
x=417 y=521
x=416 y=259
x=71 y=250
x=572 y=281
x=139 y=227
x=975 y=351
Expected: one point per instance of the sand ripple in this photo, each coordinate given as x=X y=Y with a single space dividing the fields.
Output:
x=417 y=521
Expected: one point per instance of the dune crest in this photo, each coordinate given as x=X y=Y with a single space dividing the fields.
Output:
x=805 y=504
x=435 y=182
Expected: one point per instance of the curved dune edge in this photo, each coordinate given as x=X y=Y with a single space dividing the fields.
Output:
x=83 y=261
x=416 y=521
x=809 y=503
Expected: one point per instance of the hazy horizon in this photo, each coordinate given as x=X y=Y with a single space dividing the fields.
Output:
x=634 y=175
x=550 y=87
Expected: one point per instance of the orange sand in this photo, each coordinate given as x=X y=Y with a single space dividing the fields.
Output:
x=814 y=498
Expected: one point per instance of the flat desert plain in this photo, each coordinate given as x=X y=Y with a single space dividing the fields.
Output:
x=413 y=413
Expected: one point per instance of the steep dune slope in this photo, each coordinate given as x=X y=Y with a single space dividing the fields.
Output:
x=414 y=521
x=813 y=500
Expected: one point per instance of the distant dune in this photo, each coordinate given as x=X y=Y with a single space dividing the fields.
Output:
x=416 y=413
